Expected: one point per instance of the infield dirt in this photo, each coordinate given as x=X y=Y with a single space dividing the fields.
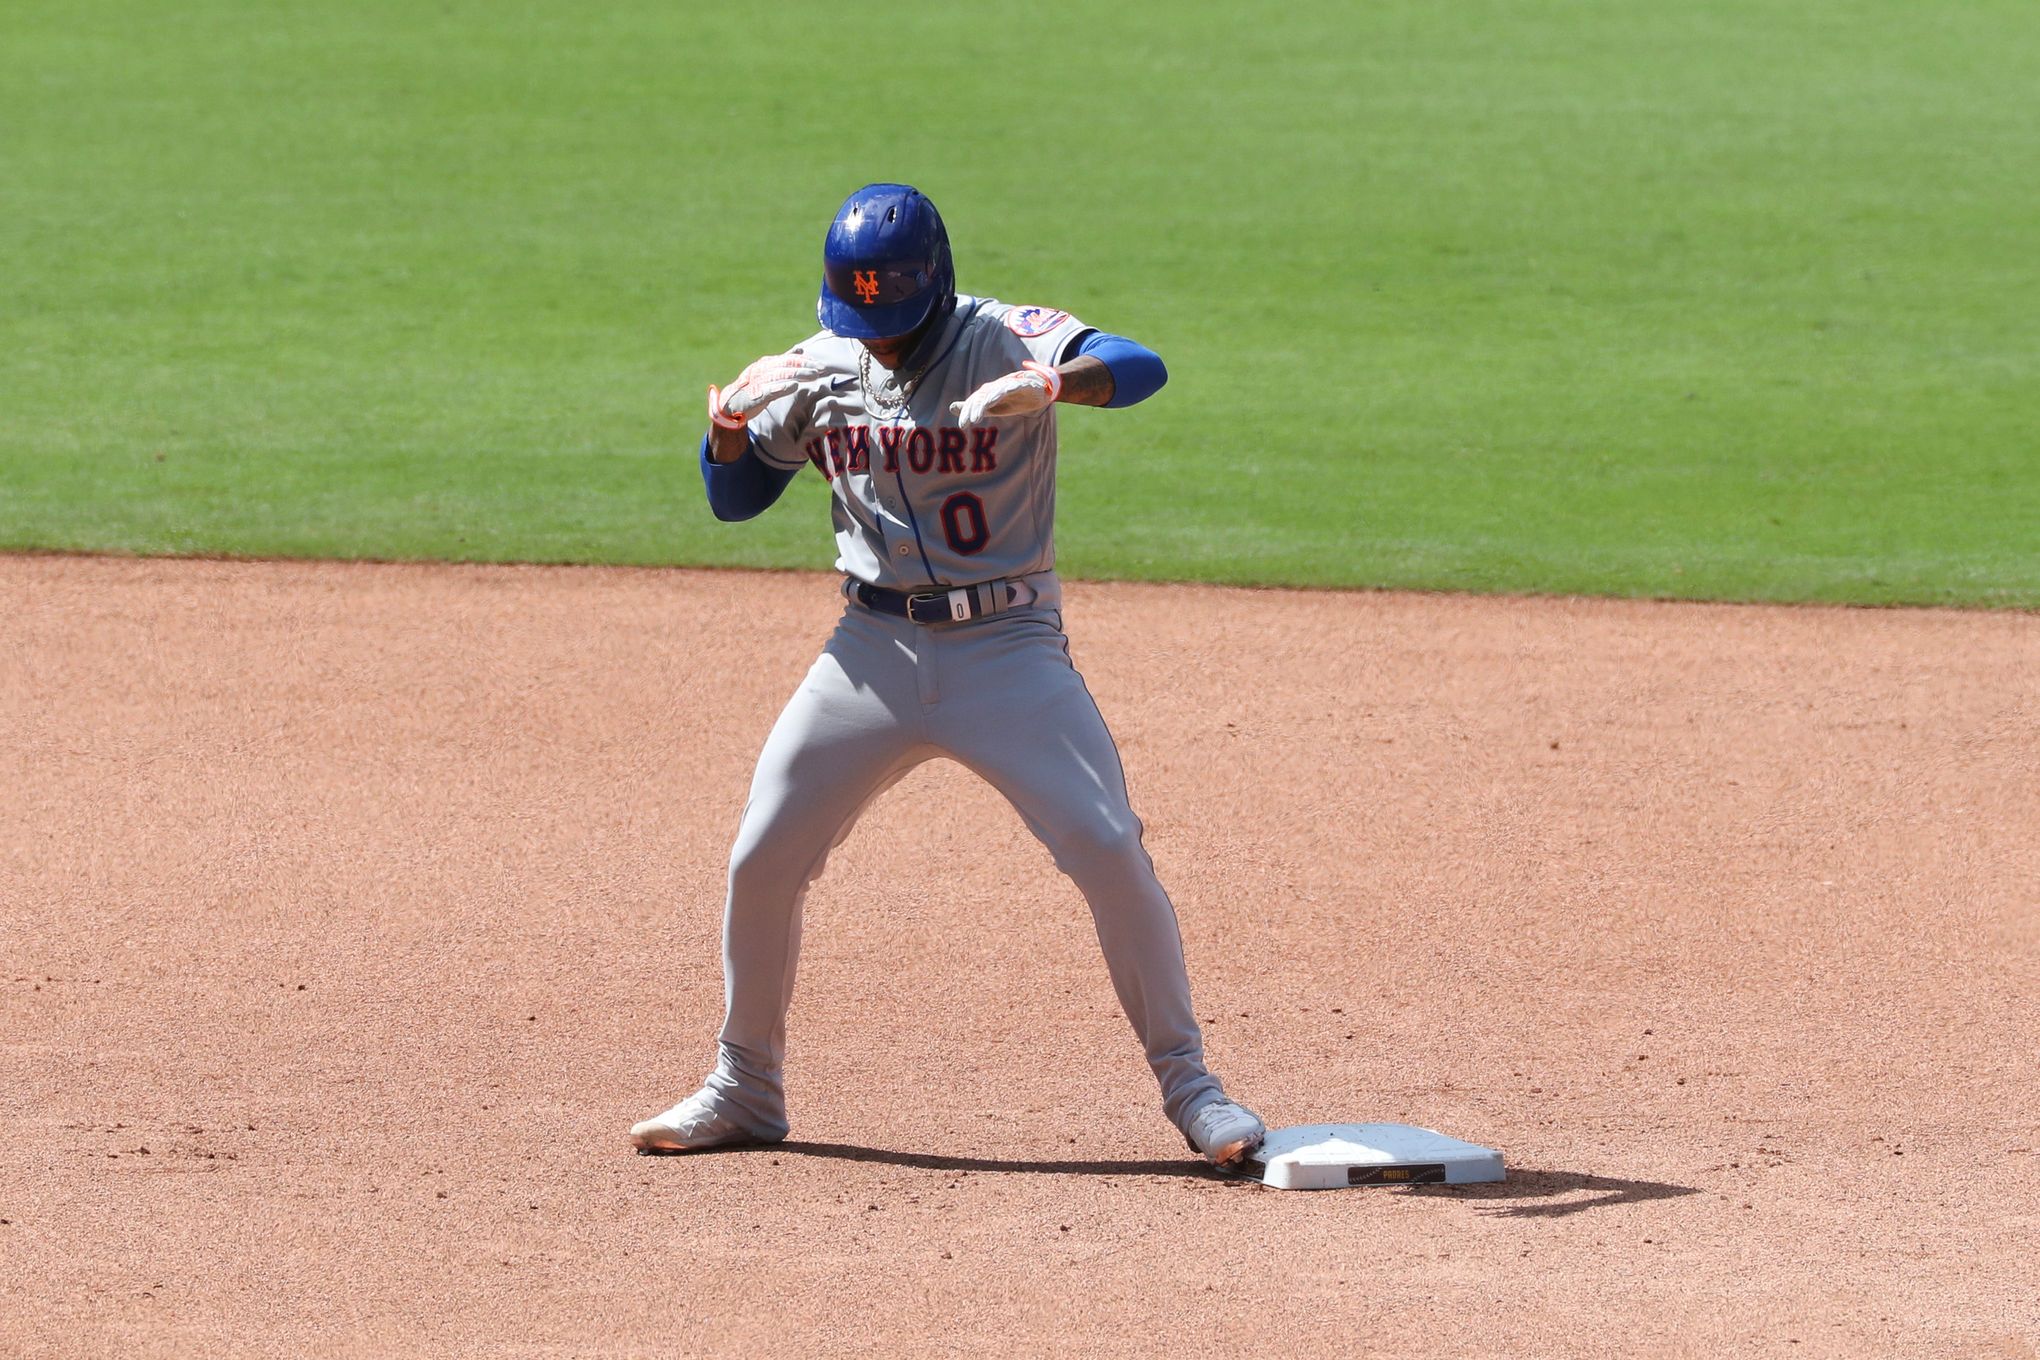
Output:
x=352 y=913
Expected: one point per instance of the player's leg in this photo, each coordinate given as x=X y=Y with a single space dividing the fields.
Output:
x=847 y=734
x=1020 y=716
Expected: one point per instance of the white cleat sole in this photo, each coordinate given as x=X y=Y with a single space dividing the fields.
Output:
x=686 y=1128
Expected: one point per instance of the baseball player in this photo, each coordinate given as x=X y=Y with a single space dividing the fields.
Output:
x=931 y=416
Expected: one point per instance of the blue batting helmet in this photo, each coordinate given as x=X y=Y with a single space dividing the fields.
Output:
x=885 y=264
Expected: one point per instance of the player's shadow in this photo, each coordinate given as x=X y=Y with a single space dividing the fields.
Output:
x=1185 y=1166
x=1553 y=1194
x=1528 y=1192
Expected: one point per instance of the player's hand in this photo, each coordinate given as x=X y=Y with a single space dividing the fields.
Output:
x=1033 y=387
x=758 y=386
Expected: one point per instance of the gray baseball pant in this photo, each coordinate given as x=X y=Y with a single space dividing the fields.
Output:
x=1001 y=697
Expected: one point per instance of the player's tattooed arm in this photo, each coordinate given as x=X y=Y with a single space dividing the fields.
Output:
x=1137 y=371
x=1086 y=381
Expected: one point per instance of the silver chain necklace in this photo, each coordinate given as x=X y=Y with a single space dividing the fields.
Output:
x=889 y=398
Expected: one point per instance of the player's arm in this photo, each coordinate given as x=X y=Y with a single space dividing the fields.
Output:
x=740 y=483
x=1107 y=370
x=744 y=486
x=725 y=444
x=1086 y=381
x=1111 y=370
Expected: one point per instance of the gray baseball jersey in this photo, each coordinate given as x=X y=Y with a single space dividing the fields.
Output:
x=918 y=501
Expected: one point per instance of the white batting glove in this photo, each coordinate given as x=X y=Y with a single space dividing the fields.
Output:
x=1034 y=387
x=758 y=386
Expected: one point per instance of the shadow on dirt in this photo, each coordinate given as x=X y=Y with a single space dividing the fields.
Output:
x=1554 y=1194
x=1186 y=1166
x=1542 y=1194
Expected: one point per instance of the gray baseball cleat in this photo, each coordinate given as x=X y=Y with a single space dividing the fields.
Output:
x=1225 y=1131
x=695 y=1124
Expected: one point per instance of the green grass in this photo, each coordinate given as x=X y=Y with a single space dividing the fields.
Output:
x=1724 y=300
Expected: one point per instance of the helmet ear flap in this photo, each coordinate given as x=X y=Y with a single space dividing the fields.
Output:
x=945 y=278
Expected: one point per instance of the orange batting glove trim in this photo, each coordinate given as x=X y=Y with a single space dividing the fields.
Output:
x=716 y=414
x=1054 y=378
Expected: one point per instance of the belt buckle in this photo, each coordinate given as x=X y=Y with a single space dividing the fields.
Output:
x=950 y=606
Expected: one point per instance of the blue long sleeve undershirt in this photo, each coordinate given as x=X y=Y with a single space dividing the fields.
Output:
x=746 y=487
x=1137 y=371
x=743 y=488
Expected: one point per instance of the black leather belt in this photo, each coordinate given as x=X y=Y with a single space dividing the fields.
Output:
x=960 y=605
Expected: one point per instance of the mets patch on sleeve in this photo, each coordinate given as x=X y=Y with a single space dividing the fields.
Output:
x=1029 y=322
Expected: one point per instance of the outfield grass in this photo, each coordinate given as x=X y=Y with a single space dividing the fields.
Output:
x=1723 y=300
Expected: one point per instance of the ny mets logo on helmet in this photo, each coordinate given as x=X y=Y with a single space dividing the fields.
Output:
x=867 y=284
